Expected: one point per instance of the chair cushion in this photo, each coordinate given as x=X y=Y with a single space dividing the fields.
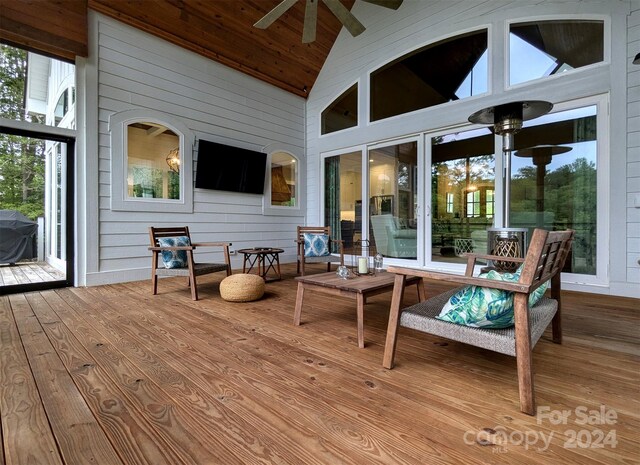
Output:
x=483 y=307
x=174 y=258
x=423 y=317
x=316 y=245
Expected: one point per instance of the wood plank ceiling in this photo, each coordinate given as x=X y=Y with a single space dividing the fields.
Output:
x=223 y=31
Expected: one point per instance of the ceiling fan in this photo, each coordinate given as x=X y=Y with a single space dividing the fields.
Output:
x=349 y=21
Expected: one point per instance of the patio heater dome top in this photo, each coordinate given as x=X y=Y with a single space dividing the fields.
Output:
x=508 y=117
x=543 y=148
x=526 y=110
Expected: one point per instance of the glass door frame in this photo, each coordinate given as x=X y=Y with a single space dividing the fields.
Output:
x=428 y=262
x=364 y=154
x=420 y=181
x=68 y=190
x=601 y=102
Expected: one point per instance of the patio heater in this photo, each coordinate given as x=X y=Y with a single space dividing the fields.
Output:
x=505 y=120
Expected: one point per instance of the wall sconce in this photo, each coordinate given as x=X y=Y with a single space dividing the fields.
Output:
x=636 y=60
x=173 y=160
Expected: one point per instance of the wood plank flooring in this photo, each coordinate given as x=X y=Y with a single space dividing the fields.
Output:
x=114 y=375
x=28 y=272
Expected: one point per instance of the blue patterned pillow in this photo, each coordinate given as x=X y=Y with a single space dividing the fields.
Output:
x=316 y=245
x=482 y=307
x=174 y=258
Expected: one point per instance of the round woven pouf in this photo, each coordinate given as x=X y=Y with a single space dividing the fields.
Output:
x=242 y=288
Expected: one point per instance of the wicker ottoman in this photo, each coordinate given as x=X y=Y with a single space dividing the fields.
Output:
x=242 y=288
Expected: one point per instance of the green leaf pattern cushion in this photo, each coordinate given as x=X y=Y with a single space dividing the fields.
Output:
x=316 y=245
x=174 y=258
x=483 y=307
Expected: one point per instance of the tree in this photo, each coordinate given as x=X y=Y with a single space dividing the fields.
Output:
x=22 y=163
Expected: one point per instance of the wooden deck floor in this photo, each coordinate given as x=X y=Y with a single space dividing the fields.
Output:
x=113 y=375
x=28 y=272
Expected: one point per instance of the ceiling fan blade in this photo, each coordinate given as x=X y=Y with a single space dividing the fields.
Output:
x=393 y=4
x=349 y=21
x=310 y=20
x=268 y=19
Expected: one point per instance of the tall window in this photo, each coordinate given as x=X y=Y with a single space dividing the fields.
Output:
x=449 y=201
x=543 y=48
x=451 y=69
x=462 y=186
x=153 y=161
x=284 y=180
x=554 y=182
x=343 y=197
x=473 y=204
x=393 y=195
x=489 y=202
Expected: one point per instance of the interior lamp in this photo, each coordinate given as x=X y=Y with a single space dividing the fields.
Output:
x=173 y=160
x=505 y=120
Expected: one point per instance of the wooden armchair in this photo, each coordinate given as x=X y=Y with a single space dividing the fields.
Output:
x=191 y=268
x=544 y=261
x=302 y=260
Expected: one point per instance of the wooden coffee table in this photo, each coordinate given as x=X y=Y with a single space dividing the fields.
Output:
x=358 y=288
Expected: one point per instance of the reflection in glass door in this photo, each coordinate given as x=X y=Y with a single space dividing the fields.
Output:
x=462 y=194
x=554 y=181
x=55 y=227
x=343 y=197
x=393 y=200
x=34 y=195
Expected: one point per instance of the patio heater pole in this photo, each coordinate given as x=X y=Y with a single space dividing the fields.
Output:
x=506 y=119
x=541 y=157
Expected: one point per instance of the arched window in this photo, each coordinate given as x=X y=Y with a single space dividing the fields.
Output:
x=151 y=168
x=342 y=113
x=284 y=180
x=451 y=69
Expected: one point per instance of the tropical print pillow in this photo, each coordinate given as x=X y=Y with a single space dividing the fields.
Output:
x=174 y=258
x=316 y=245
x=483 y=307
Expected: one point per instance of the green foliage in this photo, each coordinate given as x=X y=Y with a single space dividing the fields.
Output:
x=570 y=193
x=22 y=163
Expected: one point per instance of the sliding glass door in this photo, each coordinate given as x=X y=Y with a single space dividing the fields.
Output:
x=393 y=199
x=343 y=197
x=375 y=199
x=462 y=194
x=36 y=233
x=554 y=185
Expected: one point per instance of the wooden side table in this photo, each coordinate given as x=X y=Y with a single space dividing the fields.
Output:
x=358 y=288
x=263 y=259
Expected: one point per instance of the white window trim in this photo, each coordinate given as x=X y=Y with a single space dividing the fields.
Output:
x=366 y=121
x=358 y=85
x=606 y=58
x=299 y=208
x=118 y=123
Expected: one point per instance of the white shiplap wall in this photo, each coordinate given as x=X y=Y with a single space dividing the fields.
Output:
x=137 y=71
x=633 y=149
x=391 y=34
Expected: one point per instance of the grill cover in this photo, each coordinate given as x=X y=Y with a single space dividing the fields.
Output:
x=17 y=237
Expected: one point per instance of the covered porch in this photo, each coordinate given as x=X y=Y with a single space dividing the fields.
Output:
x=114 y=375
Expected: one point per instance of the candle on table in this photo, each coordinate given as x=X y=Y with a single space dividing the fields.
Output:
x=362 y=265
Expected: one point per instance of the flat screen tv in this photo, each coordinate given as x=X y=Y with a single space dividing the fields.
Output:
x=226 y=168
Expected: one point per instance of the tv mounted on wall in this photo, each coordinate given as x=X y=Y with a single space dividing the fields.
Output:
x=226 y=168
